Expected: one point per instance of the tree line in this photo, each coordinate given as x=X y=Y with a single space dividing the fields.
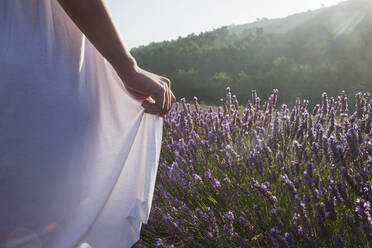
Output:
x=304 y=62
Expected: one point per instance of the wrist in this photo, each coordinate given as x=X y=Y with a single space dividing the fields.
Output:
x=127 y=67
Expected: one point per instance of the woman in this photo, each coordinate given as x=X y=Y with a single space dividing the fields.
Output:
x=80 y=128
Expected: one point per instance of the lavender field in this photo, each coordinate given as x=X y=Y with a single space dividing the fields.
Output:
x=264 y=175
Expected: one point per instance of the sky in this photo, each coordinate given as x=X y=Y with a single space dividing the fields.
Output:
x=141 y=22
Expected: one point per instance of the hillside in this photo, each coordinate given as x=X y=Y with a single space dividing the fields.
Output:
x=278 y=25
x=329 y=49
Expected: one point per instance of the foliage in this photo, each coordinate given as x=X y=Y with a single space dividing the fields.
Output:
x=263 y=176
x=325 y=50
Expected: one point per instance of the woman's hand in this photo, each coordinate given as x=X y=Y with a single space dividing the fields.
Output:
x=94 y=20
x=153 y=89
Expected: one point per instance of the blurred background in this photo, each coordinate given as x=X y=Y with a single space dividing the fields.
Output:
x=302 y=48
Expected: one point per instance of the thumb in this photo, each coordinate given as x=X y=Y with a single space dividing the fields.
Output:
x=147 y=102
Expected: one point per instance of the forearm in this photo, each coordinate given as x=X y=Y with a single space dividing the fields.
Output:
x=94 y=20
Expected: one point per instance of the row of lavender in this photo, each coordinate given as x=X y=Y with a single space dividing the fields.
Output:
x=264 y=176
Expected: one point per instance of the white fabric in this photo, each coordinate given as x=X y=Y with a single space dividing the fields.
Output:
x=78 y=155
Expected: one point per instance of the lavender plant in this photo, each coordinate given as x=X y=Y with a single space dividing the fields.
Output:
x=264 y=176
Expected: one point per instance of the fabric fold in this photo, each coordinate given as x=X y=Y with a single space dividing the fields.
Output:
x=78 y=155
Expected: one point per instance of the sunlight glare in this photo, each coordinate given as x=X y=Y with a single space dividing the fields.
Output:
x=350 y=23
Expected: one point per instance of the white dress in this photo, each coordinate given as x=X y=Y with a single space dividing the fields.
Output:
x=78 y=155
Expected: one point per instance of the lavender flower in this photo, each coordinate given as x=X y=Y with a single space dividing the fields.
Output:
x=264 y=176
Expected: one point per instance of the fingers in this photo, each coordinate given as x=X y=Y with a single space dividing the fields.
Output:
x=169 y=100
x=167 y=81
x=159 y=104
x=164 y=99
x=151 y=107
x=154 y=109
x=173 y=98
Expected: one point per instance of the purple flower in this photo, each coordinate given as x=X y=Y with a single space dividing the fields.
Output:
x=321 y=159
x=229 y=215
x=208 y=174
x=160 y=243
x=197 y=178
x=216 y=184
